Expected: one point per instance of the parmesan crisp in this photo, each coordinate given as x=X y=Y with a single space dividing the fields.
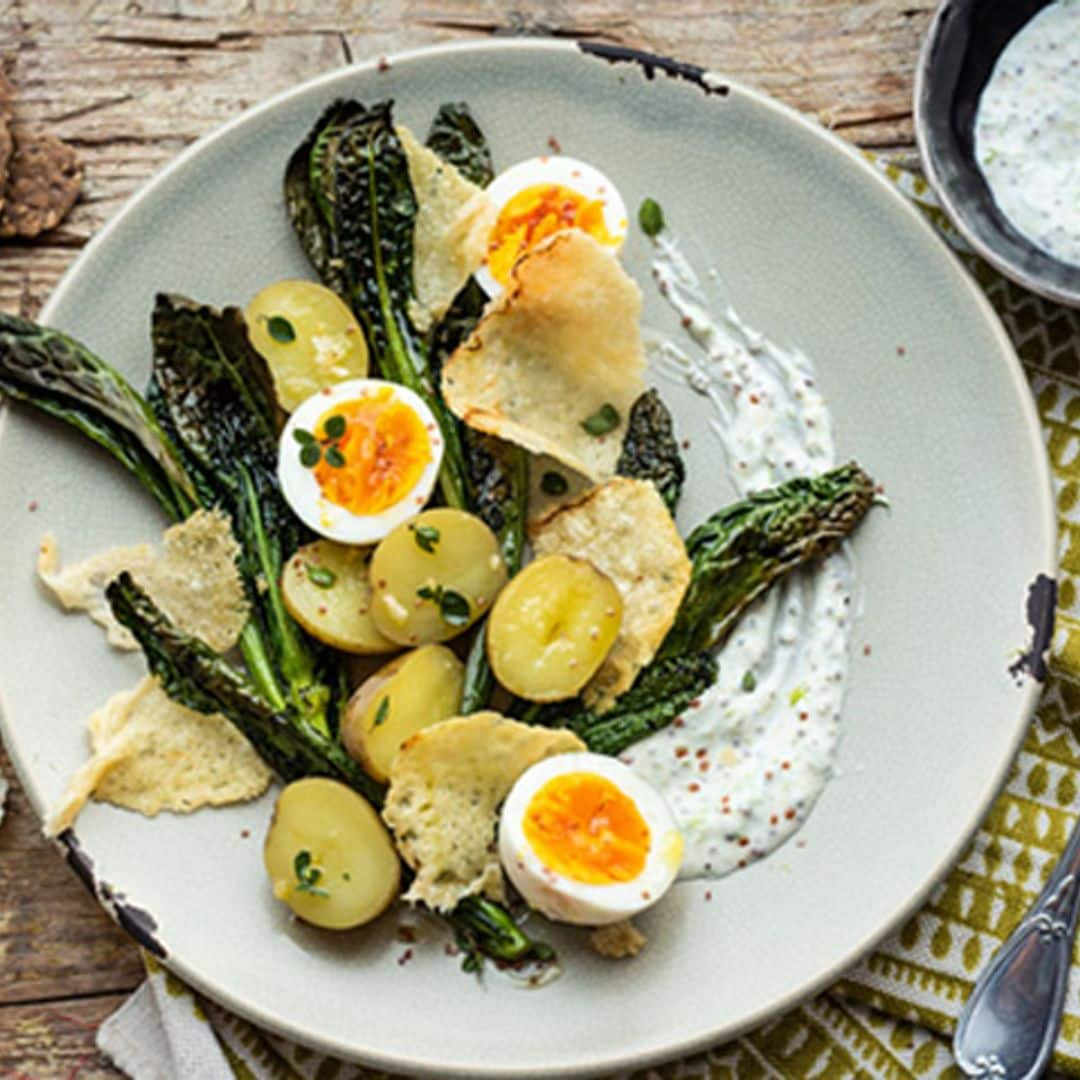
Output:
x=560 y=344
x=192 y=578
x=624 y=529
x=454 y=218
x=151 y=754
x=446 y=785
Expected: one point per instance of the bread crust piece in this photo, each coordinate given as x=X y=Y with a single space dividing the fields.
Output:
x=43 y=182
x=446 y=786
x=624 y=529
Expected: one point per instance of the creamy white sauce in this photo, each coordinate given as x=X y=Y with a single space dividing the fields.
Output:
x=743 y=768
x=1027 y=131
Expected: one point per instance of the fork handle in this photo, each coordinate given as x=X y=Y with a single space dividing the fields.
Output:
x=1011 y=1020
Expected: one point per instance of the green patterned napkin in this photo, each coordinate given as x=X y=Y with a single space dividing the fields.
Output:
x=893 y=1014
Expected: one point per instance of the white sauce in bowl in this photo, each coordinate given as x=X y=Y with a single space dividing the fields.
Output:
x=1027 y=131
x=743 y=768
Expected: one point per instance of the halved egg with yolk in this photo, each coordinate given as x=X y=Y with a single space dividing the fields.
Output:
x=359 y=458
x=541 y=196
x=586 y=840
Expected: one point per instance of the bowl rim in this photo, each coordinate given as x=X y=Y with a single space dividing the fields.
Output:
x=955 y=209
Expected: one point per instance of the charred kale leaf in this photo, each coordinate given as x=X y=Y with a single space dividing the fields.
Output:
x=61 y=377
x=456 y=137
x=650 y=450
x=741 y=550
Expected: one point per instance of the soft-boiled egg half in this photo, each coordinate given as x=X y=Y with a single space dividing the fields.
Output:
x=358 y=458
x=586 y=840
x=538 y=197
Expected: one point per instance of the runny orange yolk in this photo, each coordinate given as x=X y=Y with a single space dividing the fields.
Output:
x=582 y=826
x=386 y=448
x=535 y=213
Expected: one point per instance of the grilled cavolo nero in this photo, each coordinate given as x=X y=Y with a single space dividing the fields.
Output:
x=736 y=555
x=741 y=550
x=650 y=450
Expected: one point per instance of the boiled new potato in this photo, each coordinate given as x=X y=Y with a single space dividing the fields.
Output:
x=308 y=337
x=327 y=590
x=552 y=626
x=329 y=856
x=410 y=693
x=434 y=576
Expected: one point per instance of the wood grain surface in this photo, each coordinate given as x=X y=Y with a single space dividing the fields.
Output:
x=129 y=84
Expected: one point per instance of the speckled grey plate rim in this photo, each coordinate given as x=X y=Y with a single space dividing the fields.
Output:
x=1027 y=699
x=957 y=215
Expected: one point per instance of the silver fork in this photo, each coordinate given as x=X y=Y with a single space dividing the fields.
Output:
x=1011 y=1020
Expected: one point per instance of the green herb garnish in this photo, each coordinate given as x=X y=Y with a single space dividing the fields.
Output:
x=382 y=712
x=334 y=457
x=310 y=455
x=280 y=329
x=453 y=607
x=650 y=217
x=605 y=419
x=321 y=576
x=426 y=537
x=334 y=427
x=302 y=436
x=749 y=681
x=554 y=483
x=307 y=876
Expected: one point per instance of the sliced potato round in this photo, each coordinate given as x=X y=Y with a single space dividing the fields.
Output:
x=434 y=576
x=327 y=590
x=329 y=856
x=410 y=693
x=308 y=336
x=552 y=626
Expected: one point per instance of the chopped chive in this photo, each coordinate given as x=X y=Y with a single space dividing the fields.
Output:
x=554 y=483
x=454 y=608
x=382 y=712
x=281 y=329
x=650 y=217
x=321 y=576
x=426 y=537
x=307 y=876
x=749 y=681
x=605 y=419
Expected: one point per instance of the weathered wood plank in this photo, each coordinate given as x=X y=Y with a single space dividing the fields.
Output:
x=55 y=941
x=54 y=1040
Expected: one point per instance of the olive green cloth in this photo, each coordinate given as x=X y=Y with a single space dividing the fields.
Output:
x=893 y=1014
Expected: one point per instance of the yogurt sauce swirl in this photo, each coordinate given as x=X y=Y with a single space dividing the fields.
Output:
x=743 y=768
x=1027 y=131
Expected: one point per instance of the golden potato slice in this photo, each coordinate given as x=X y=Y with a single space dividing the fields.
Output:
x=403 y=697
x=327 y=590
x=308 y=337
x=329 y=856
x=552 y=627
x=434 y=576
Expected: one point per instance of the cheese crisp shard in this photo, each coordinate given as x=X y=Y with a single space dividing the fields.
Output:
x=446 y=785
x=624 y=529
x=454 y=218
x=151 y=754
x=192 y=578
x=560 y=344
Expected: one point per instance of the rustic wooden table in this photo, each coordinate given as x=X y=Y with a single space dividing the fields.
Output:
x=130 y=83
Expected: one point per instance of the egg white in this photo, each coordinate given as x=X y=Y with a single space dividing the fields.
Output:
x=579 y=176
x=562 y=898
x=302 y=491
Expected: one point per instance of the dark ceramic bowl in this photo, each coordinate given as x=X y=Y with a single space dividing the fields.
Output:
x=963 y=44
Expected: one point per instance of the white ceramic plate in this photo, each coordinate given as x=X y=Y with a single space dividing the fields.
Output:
x=815 y=249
